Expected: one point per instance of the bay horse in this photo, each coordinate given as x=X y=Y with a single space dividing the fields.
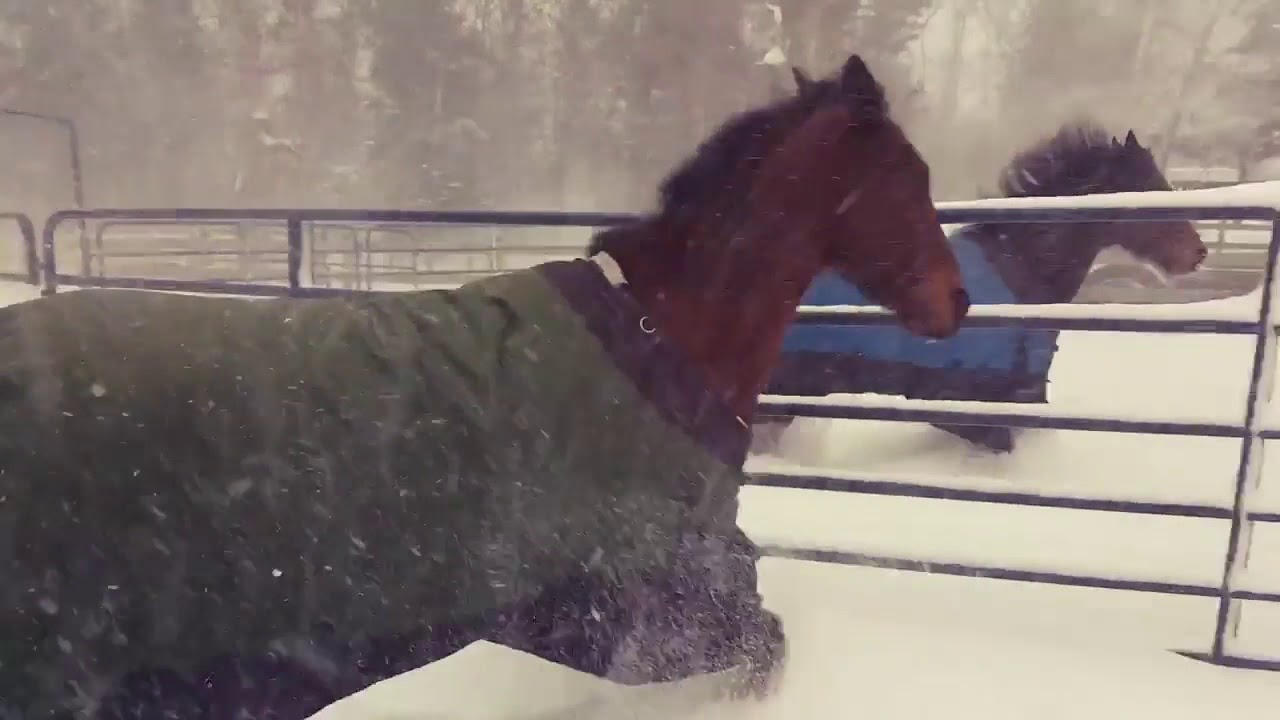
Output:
x=220 y=507
x=1003 y=263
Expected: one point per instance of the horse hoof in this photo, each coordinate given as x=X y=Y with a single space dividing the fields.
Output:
x=761 y=675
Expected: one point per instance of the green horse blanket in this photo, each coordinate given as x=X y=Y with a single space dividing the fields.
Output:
x=199 y=496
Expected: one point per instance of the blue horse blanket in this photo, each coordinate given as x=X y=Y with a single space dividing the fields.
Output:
x=984 y=364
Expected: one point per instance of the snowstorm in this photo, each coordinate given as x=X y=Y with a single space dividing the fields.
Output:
x=533 y=359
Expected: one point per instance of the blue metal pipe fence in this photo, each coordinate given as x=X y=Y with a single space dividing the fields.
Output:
x=1249 y=431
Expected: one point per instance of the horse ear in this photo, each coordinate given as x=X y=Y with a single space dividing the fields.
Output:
x=1115 y=143
x=1131 y=142
x=855 y=76
x=804 y=83
x=857 y=83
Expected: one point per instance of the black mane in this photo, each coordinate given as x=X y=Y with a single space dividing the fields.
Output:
x=717 y=178
x=713 y=174
x=715 y=163
x=1048 y=262
x=1079 y=159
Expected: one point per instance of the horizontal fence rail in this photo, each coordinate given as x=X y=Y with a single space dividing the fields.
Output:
x=1250 y=431
x=389 y=218
x=823 y=316
x=898 y=488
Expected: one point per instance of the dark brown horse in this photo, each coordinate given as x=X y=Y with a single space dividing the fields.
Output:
x=741 y=232
x=235 y=508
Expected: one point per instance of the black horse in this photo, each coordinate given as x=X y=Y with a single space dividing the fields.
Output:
x=1029 y=263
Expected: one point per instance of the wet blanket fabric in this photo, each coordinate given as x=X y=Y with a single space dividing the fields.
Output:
x=207 y=503
x=998 y=364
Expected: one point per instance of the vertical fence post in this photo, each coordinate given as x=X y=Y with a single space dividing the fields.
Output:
x=315 y=235
x=366 y=258
x=77 y=189
x=354 y=281
x=50 y=259
x=30 y=249
x=1249 y=471
x=294 y=225
x=494 y=261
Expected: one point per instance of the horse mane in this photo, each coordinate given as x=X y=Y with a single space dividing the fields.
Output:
x=1047 y=262
x=1071 y=162
x=712 y=174
x=717 y=159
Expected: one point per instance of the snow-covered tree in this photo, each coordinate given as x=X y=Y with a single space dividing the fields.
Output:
x=1235 y=116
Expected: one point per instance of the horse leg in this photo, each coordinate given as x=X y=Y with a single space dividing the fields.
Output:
x=265 y=687
x=951 y=384
x=706 y=616
x=289 y=678
x=576 y=623
x=703 y=617
x=292 y=682
x=766 y=432
x=152 y=693
x=1022 y=389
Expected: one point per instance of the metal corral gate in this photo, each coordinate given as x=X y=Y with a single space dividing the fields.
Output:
x=1250 y=431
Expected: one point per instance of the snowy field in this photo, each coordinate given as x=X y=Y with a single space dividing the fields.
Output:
x=882 y=644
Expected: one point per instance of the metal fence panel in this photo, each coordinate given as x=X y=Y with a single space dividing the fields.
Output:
x=20 y=257
x=1250 y=431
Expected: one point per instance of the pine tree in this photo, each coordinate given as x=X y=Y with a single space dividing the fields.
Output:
x=1235 y=119
x=432 y=72
x=1256 y=86
x=1072 y=56
x=820 y=34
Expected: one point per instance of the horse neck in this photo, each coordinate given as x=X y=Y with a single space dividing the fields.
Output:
x=1041 y=262
x=728 y=314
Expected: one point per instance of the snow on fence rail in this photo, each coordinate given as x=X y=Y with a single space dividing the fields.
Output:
x=1239 y=316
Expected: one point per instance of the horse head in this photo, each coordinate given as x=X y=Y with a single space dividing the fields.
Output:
x=821 y=180
x=1084 y=159
x=869 y=189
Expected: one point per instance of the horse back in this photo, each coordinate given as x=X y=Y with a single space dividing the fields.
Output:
x=202 y=477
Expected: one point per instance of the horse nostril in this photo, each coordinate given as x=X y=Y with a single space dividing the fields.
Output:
x=960 y=297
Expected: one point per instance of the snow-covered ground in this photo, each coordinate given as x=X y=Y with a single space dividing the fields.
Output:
x=872 y=643
x=882 y=644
